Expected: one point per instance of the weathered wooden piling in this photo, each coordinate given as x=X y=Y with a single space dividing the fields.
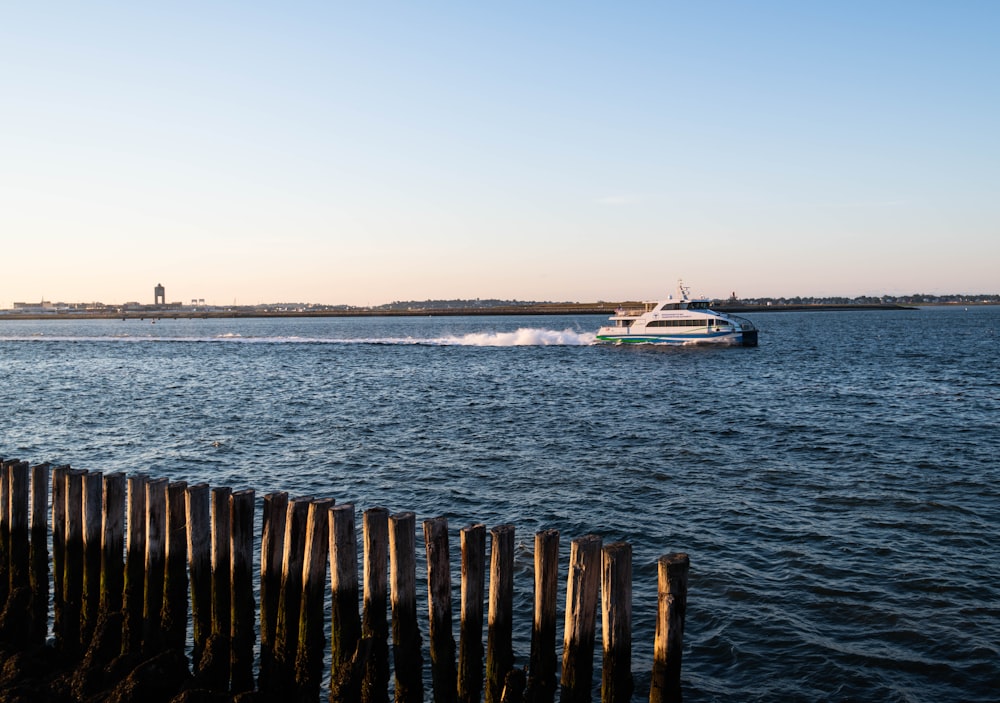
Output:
x=242 y=634
x=616 y=623
x=290 y=598
x=406 y=641
x=93 y=489
x=221 y=557
x=19 y=554
x=103 y=623
x=5 y=466
x=113 y=543
x=499 y=644
x=156 y=528
x=174 y=613
x=665 y=686
x=199 y=554
x=470 y=642
x=582 y=587
x=442 y=642
x=197 y=538
x=271 y=552
x=15 y=612
x=212 y=668
x=58 y=552
x=135 y=563
x=374 y=624
x=346 y=666
x=39 y=555
x=312 y=639
x=542 y=681
x=74 y=564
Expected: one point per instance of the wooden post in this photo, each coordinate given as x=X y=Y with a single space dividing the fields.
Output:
x=20 y=572
x=290 y=598
x=5 y=468
x=39 y=556
x=470 y=657
x=17 y=609
x=199 y=548
x=212 y=668
x=58 y=552
x=221 y=595
x=242 y=621
x=345 y=625
x=271 y=550
x=156 y=528
x=93 y=488
x=135 y=564
x=312 y=639
x=73 y=567
x=499 y=646
x=374 y=624
x=542 y=671
x=174 y=614
x=406 y=641
x=113 y=543
x=665 y=686
x=616 y=623
x=581 y=619
x=442 y=641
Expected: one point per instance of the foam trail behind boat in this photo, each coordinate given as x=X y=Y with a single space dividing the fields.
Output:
x=524 y=337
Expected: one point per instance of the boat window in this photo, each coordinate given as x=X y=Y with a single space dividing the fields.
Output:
x=677 y=323
x=670 y=306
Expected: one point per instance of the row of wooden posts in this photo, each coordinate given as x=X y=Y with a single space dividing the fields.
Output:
x=162 y=554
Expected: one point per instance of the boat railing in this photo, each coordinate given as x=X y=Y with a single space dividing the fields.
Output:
x=745 y=324
x=630 y=312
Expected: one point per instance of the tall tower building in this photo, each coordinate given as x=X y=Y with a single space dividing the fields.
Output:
x=160 y=295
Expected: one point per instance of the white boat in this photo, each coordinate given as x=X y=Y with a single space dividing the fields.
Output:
x=680 y=320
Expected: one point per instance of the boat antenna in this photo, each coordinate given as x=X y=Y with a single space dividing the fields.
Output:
x=682 y=290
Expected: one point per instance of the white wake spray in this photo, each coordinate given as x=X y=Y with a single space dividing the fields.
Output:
x=524 y=337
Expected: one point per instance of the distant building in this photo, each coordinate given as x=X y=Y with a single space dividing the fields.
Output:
x=159 y=295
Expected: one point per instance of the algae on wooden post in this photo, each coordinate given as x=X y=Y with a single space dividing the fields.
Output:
x=542 y=677
x=374 y=625
x=470 y=644
x=311 y=638
x=665 y=686
x=242 y=621
x=406 y=641
x=271 y=550
x=135 y=566
x=583 y=584
x=499 y=645
x=616 y=621
x=346 y=669
x=442 y=642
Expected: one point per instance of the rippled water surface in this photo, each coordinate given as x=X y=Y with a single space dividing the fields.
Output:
x=835 y=487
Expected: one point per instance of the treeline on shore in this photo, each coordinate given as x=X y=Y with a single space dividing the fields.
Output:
x=476 y=307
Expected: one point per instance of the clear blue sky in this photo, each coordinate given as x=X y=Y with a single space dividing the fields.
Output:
x=360 y=153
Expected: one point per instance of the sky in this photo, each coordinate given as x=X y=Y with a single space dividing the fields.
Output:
x=364 y=153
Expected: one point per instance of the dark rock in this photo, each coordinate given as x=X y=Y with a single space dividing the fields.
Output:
x=92 y=676
x=156 y=680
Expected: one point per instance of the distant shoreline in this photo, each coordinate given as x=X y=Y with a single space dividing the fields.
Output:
x=511 y=310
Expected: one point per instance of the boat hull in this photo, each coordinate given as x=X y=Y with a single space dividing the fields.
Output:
x=746 y=339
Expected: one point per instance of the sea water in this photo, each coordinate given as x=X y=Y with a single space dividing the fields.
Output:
x=835 y=487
